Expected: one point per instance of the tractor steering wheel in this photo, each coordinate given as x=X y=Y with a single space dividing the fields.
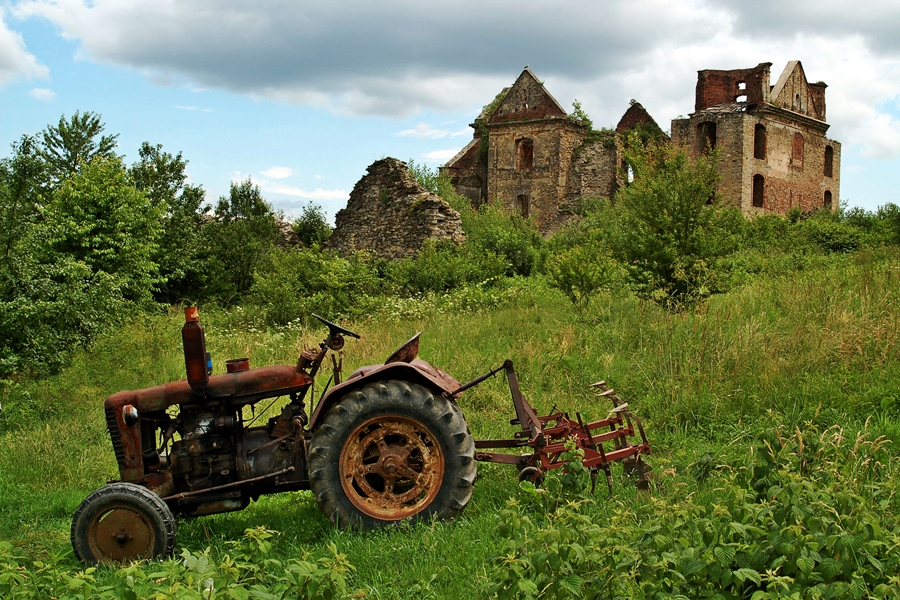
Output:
x=335 y=328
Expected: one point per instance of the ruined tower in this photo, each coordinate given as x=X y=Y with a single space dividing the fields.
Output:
x=773 y=151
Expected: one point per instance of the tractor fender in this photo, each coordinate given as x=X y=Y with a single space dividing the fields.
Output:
x=416 y=371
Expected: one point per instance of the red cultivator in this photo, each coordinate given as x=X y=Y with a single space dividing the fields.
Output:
x=548 y=436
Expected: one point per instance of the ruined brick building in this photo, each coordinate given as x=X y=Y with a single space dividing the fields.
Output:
x=773 y=151
x=537 y=160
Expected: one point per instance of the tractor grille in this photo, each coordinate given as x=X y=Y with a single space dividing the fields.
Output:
x=115 y=436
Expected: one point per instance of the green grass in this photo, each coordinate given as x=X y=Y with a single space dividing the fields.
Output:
x=810 y=347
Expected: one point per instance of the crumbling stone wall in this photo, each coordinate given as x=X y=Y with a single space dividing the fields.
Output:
x=594 y=172
x=390 y=214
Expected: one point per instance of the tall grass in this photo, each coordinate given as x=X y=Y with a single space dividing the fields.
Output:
x=816 y=345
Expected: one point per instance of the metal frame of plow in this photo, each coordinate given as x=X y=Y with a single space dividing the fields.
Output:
x=547 y=436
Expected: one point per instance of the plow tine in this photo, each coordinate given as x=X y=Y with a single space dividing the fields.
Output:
x=608 y=480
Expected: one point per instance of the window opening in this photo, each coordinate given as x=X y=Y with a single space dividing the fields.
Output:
x=706 y=136
x=741 y=98
x=759 y=142
x=742 y=85
x=797 y=150
x=522 y=205
x=827 y=202
x=524 y=155
x=829 y=161
x=759 y=189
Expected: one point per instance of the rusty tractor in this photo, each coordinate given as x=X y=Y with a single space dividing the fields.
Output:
x=387 y=444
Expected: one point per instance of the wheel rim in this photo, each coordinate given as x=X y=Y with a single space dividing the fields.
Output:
x=121 y=533
x=391 y=467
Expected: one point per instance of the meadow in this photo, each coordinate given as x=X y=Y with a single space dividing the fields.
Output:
x=773 y=412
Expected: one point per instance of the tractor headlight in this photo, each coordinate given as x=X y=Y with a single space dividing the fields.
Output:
x=130 y=415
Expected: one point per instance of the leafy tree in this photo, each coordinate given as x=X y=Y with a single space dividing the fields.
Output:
x=49 y=308
x=311 y=226
x=69 y=273
x=97 y=218
x=19 y=199
x=180 y=253
x=242 y=233
x=424 y=175
x=669 y=228
x=76 y=141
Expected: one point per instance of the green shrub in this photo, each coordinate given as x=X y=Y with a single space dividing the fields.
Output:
x=493 y=229
x=292 y=284
x=581 y=273
x=440 y=267
x=812 y=515
x=669 y=229
x=831 y=235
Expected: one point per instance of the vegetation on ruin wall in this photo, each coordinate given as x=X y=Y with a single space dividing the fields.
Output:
x=764 y=363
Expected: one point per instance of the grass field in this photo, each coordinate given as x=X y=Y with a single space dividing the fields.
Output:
x=812 y=350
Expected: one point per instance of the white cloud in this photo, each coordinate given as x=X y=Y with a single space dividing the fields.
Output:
x=316 y=194
x=318 y=177
x=424 y=131
x=397 y=57
x=15 y=60
x=43 y=94
x=278 y=172
x=440 y=155
x=191 y=108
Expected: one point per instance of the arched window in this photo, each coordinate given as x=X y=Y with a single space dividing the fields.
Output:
x=524 y=155
x=759 y=189
x=759 y=142
x=829 y=161
x=797 y=151
x=827 y=202
x=522 y=205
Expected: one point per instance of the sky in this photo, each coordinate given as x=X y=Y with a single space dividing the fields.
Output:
x=302 y=96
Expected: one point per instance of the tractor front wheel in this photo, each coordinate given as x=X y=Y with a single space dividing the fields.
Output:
x=390 y=451
x=122 y=522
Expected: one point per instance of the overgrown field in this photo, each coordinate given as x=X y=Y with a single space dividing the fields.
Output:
x=773 y=411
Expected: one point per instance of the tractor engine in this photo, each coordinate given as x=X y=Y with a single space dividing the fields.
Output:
x=216 y=455
x=204 y=457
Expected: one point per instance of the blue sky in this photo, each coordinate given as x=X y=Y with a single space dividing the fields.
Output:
x=302 y=98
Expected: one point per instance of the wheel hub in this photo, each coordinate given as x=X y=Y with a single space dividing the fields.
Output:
x=121 y=533
x=391 y=467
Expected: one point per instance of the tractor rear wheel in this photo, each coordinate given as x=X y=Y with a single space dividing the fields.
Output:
x=122 y=522
x=390 y=451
